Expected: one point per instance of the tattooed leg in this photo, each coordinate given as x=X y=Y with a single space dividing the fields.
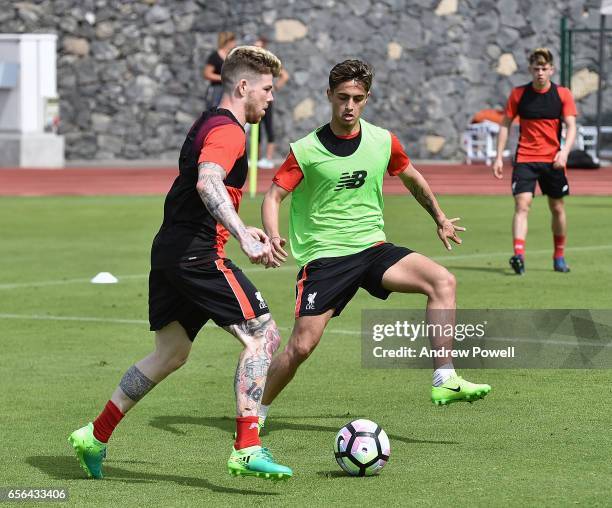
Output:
x=135 y=384
x=172 y=347
x=261 y=339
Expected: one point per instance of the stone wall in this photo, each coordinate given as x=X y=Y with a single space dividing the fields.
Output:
x=130 y=72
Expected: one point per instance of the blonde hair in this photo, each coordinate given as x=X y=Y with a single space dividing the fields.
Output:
x=224 y=37
x=541 y=56
x=247 y=61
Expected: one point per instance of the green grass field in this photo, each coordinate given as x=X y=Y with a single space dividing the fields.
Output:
x=542 y=437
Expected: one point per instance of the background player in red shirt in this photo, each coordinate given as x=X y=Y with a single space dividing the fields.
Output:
x=191 y=281
x=542 y=106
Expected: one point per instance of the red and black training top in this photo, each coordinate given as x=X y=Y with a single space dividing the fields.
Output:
x=189 y=233
x=540 y=113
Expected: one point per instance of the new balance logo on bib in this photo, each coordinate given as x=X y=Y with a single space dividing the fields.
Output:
x=351 y=181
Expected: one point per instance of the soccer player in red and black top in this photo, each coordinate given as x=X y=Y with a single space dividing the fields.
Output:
x=541 y=106
x=191 y=280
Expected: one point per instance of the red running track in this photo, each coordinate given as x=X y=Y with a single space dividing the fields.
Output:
x=443 y=179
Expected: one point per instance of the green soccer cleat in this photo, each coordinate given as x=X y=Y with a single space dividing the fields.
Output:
x=256 y=461
x=89 y=450
x=457 y=389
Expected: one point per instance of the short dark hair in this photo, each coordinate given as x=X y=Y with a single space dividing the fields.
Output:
x=541 y=56
x=245 y=61
x=351 y=70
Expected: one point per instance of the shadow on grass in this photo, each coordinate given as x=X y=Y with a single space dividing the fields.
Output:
x=508 y=272
x=332 y=475
x=336 y=474
x=60 y=467
x=278 y=423
x=487 y=269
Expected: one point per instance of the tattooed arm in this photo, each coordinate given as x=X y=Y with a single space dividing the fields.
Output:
x=418 y=186
x=253 y=241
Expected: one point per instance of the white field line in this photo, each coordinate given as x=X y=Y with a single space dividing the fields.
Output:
x=335 y=331
x=44 y=317
x=91 y=319
x=450 y=257
x=18 y=285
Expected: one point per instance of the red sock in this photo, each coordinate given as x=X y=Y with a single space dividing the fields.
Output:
x=247 y=432
x=559 y=246
x=519 y=247
x=107 y=421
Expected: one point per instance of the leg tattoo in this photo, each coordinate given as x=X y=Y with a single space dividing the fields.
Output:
x=135 y=384
x=261 y=339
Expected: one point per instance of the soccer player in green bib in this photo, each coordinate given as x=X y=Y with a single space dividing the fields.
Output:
x=335 y=175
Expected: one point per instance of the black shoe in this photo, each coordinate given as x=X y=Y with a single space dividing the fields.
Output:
x=560 y=265
x=518 y=264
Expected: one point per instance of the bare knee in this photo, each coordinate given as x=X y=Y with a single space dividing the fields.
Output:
x=172 y=347
x=301 y=346
x=300 y=352
x=522 y=207
x=557 y=208
x=177 y=361
x=171 y=361
x=444 y=287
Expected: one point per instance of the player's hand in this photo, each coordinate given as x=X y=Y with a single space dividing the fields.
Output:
x=278 y=254
x=498 y=168
x=258 y=234
x=256 y=245
x=560 y=160
x=448 y=231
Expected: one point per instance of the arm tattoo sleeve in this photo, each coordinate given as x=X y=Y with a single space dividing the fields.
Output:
x=424 y=196
x=135 y=384
x=216 y=199
x=425 y=199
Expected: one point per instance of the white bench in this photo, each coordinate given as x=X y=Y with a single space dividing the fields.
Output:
x=586 y=139
x=479 y=142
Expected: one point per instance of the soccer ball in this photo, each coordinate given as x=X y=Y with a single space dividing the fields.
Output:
x=362 y=448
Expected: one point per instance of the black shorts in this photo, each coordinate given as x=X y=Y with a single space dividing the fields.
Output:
x=553 y=182
x=331 y=283
x=193 y=293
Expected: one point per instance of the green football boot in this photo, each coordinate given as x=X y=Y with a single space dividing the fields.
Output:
x=256 y=461
x=457 y=389
x=89 y=450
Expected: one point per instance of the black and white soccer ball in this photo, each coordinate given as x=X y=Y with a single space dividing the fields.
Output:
x=362 y=448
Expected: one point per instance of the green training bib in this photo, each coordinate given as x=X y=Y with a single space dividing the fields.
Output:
x=337 y=209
